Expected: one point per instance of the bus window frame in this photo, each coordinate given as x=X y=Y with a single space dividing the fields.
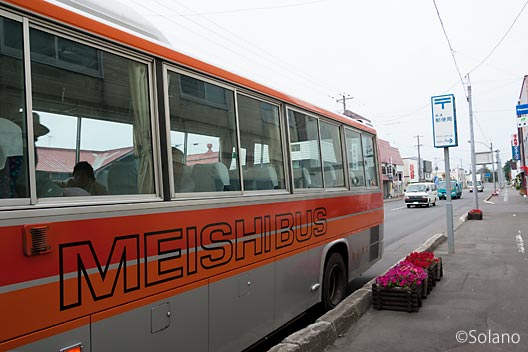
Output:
x=16 y=202
x=377 y=165
x=292 y=181
x=339 y=125
x=375 y=156
x=174 y=68
x=279 y=105
x=29 y=23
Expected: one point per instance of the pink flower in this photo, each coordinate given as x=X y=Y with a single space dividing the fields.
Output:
x=403 y=274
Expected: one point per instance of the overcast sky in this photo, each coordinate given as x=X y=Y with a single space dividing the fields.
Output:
x=390 y=56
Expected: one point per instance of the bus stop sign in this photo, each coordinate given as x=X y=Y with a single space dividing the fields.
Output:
x=444 y=121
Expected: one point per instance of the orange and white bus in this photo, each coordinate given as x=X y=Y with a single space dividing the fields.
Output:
x=150 y=201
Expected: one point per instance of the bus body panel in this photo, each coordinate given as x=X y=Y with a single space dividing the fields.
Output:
x=294 y=276
x=53 y=339
x=178 y=320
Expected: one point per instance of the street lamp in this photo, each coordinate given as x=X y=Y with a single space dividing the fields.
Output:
x=492 y=162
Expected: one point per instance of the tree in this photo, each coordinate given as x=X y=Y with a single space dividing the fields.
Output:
x=507 y=170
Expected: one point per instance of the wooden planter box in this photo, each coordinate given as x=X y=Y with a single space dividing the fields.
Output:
x=439 y=269
x=474 y=216
x=435 y=273
x=397 y=298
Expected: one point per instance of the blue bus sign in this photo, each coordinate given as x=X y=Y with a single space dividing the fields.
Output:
x=444 y=121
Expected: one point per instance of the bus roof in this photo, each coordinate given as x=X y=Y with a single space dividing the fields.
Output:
x=132 y=31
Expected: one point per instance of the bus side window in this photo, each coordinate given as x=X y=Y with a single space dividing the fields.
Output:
x=304 y=147
x=356 y=171
x=202 y=123
x=96 y=108
x=332 y=157
x=261 y=147
x=371 y=170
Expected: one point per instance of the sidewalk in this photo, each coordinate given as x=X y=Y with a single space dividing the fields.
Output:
x=482 y=298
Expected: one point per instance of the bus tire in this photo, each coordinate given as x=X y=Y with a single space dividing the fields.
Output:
x=334 y=281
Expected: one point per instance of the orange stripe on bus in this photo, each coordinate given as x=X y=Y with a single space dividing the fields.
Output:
x=102 y=232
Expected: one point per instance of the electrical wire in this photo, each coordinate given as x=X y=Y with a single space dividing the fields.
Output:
x=248 y=48
x=450 y=47
x=501 y=40
x=259 y=51
x=256 y=8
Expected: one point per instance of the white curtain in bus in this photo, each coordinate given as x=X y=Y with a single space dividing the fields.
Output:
x=138 y=77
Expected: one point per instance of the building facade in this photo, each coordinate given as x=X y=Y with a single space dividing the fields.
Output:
x=391 y=169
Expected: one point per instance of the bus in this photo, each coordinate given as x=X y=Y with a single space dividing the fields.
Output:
x=152 y=201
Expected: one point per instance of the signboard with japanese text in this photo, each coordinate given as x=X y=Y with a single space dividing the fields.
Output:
x=516 y=152
x=516 y=149
x=444 y=121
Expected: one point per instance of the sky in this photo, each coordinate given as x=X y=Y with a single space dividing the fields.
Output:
x=388 y=57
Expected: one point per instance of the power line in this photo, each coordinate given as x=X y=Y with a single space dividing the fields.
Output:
x=256 y=8
x=501 y=40
x=248 y=48
x=450 y=47
x=259 y=51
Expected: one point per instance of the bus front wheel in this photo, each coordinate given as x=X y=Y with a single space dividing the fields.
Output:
x=334 y=281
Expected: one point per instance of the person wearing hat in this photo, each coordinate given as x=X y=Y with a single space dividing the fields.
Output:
x=39 y=129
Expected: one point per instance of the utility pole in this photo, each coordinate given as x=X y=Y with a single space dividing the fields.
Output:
x=343 y=100
x=493 y=168
x=419 y=159
x=500 y=171
x=472 y=139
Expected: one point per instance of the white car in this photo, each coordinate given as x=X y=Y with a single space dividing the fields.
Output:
x=419 y=194
x=480 y=186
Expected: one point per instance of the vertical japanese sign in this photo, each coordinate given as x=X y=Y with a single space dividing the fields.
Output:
x=516 y=150
x=444 y=121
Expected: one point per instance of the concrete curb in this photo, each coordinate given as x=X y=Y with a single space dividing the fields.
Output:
x=319 y=335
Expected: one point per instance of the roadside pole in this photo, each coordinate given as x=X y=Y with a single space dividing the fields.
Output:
x=449 y=205
x=445 y=136
x=473 y=157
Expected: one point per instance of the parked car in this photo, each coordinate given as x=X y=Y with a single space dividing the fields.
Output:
x=480 y=186
x=456 y=190
x=419 y=194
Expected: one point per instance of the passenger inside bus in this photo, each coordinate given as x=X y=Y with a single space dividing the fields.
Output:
x=11 y=154
x=84 y=178
x=183 y=181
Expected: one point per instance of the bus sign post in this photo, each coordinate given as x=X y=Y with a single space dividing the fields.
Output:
x=445 y=136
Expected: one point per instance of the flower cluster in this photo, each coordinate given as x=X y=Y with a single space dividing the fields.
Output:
x=422 y=259
x=403 y=274
x=475 y=211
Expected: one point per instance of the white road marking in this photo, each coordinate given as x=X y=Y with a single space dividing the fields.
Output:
x=520 y=242
x=399 y=208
